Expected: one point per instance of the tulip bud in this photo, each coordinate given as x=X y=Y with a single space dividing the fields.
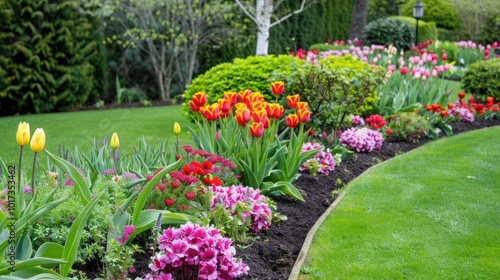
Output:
x=177 y=128
x=23 y=134
x=38 y=140
x=115 y=142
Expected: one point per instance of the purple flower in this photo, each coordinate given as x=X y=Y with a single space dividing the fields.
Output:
x=357 y=120
x=362 y=140
x=127 y=231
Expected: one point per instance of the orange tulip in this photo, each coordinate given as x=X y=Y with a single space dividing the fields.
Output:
x=304 y=115
x=277 y=87
x=199 y=99
x=243 y=116
x=292 y=100
x=292 y=120
x=256 y=129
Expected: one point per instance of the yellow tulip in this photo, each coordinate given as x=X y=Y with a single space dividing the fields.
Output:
x=38 y=140
x=23 y=134
x=177 y=129
x=115 y=143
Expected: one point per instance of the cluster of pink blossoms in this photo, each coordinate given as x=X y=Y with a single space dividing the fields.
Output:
x=461 y=110
x=362 y=140
x=259 y=214
x=323 y=162
x=195 y=252
x=357 y=120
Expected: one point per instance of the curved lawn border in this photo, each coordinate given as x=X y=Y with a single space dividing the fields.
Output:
x=307 y=243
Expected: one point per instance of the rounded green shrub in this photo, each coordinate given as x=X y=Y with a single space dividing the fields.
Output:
x=439 y=11
x=255 y=73
x=426 y=30
x=385 y=31
x=482 y=79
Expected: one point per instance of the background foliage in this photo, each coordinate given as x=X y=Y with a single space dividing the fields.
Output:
x=49 y=55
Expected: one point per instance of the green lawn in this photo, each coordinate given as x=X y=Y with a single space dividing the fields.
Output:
x=80 y=128
x=433 y=213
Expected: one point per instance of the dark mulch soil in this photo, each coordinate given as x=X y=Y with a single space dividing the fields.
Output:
x=273 y=254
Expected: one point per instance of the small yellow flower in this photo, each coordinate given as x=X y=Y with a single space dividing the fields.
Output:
x=23 y=134
x=38 y=140
x=115 y=143
x=177 y=128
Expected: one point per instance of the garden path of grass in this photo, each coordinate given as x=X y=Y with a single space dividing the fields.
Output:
x=433 y=213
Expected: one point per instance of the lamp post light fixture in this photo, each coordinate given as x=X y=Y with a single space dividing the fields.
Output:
x=418 y=13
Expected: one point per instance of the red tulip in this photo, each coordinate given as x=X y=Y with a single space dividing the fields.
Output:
x=199 y=99
x=231 y=96
x=256 y=129
x=302 y=105
x=211 y=113
x=403 y=70
x=224 y=105
x=169 y=202
x=461 y=95
x=292 y=101
x=388 y=131
x=193 y=106
x=310 y=132
x=304 y=115
x=292 y=120
x=277 y=88
x=243 y=116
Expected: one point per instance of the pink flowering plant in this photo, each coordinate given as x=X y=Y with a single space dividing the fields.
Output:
x=323 y=162
x=195 y=252
x=236 y=209
x=362 y=140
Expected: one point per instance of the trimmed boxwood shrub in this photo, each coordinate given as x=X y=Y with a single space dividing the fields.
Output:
x=385 y=31
x=482 y=79
x=439 y=11
x=255 y=73
x=426 y=30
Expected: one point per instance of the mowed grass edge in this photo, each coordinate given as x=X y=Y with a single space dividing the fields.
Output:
x=433 y=213
x=72 y=129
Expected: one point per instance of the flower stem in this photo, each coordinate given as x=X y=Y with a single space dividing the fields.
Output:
x=20 y=168
x=33 y=175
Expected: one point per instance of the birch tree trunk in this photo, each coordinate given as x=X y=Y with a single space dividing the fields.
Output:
x=263 y=13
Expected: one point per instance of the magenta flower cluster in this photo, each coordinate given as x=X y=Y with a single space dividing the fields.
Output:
x=259 y=214
x=195 y=252
x=357 y=120
x=323 y=161
x=462 y=111
x=362 y=140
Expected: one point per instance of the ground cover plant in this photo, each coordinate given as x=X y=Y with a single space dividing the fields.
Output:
x=399 y=224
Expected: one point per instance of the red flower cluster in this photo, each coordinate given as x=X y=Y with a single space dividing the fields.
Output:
x=375 y=121
x=202 y=171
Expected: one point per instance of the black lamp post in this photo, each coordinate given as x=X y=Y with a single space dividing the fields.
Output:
x=418 y=13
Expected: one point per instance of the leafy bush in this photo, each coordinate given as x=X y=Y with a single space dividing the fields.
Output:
x=337 y=87
x=254 y=72
x=491 y=30
x=426 y=30
x=48 y=57
x=482 y=79
x=406 y=127
x=389 y=31
x=439 y=11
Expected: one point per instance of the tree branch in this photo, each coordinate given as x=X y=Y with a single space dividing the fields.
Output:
x=303 y=5
x=252 y=17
